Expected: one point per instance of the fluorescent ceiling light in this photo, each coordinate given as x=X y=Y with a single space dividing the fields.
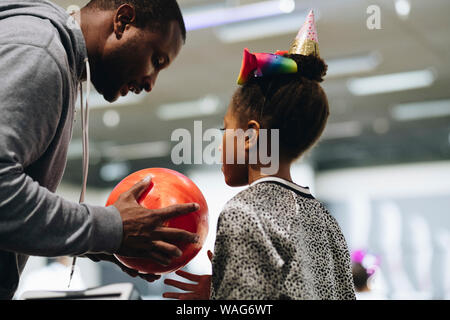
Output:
x=391 y=82
x=217 y=16
x=341 y=130
x=205 y=106
x=421 y=110
x=137 y=151
x=262 y=28
x=111 y=118
x=287 y=6
x=403 y=8
x=352 y=65
x=75 y=151
x=114 y=152
x=114 y=171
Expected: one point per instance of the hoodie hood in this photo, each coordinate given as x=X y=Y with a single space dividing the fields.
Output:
x=71 y=36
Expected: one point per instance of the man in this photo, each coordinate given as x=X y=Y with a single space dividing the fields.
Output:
x=42 y=62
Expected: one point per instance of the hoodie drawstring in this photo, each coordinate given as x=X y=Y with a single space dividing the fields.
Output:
x=85 y=129
x=85 y=143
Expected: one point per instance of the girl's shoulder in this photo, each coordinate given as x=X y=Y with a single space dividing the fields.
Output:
x=260 y=199
x=268 y=193
x=272 y=201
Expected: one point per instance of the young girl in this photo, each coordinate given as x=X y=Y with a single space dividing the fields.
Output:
x=274 y=239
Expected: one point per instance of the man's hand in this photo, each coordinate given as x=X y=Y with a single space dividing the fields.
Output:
x=198 y=291
x=143 y=233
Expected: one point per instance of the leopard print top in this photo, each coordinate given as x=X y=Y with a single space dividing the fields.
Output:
x=275 y=241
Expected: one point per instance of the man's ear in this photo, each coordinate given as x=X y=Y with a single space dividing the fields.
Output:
x=124 y=17
x=252 y=134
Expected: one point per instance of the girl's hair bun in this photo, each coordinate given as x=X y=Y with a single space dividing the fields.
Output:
x=310 y=67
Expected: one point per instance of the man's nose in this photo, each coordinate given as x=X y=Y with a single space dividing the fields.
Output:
x=149 y=82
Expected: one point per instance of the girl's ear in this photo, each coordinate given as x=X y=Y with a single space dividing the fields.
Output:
x=252 y=134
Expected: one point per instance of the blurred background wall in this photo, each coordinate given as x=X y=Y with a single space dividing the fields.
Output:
x=382 y=166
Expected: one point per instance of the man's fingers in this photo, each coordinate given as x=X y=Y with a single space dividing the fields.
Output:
x=189 y=276
x=139 y=188
x=130 y=272
x=172 y=235
x=161 y=251
x=176 y=210
x=152 y=252
x=133 y=253
x=149 y=277
x=180 y=285
x=166 y=249
x=159 y=258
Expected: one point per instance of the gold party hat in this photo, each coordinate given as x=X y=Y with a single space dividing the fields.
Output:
x=306 y=42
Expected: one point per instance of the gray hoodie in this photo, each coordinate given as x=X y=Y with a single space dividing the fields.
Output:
x=41 y=65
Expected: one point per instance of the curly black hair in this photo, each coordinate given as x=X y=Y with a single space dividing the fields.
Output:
x=360 y=276
x=149 y=13
x=295 y=104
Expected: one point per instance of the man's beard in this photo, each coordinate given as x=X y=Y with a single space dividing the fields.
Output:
x=108 y=74
x=104 y=86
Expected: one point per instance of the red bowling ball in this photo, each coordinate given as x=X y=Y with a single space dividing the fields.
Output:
x=167 y=188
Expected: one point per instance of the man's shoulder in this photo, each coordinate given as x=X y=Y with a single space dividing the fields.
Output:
x=27 y=30
x=33 y=32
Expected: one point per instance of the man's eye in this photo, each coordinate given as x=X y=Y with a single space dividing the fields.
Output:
x=159 y=62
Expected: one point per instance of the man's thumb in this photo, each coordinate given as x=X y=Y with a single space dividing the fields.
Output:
x=139 y=188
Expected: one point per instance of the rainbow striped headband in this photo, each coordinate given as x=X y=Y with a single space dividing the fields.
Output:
x=265 y=64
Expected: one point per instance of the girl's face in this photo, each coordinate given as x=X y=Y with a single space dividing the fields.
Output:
x=233 y=149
